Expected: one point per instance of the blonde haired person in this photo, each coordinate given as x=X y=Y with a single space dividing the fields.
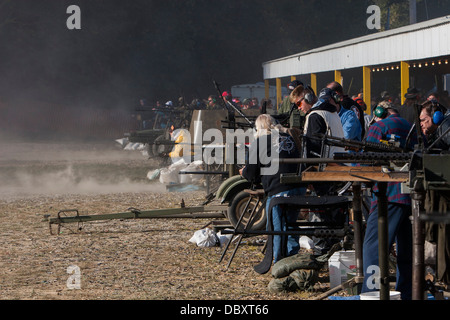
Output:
x=264 y=124
x=272 y=143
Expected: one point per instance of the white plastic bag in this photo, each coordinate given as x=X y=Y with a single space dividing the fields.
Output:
x=205 y=238
x=192 y=178
x=153 y=175
x=170 y=175
x=224 y=238
x=167 y=176
x=306 y=242
x=196 y=166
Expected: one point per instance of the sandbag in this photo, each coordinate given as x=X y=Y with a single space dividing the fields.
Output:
x=305 y=279
x=282 y=285
x=285 y=266
x=298 y=280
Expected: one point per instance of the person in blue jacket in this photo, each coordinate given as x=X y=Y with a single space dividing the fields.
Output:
x=350 y=122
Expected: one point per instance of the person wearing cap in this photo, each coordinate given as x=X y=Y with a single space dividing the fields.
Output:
x=406 y=110
x=388 y=123
x=287 y=106
x=228 y=98
x=321 y=118
x=361 y=102
x=351 y=114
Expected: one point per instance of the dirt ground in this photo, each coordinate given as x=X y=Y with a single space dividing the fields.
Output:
x=148 y=259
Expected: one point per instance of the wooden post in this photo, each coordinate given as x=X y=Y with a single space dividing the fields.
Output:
x=338 y=77
x=314 y=82
x=279 y=97
x=267 y=88
x=404 y=78
x=366 y=88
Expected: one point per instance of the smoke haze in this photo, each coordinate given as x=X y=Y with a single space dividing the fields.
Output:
x=60 y=83
x=90 y=168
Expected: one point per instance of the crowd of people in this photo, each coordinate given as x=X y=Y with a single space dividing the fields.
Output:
x=336 y=114
x=333 y=113
x=212 y=102
x=178 y=114
x=355 y=103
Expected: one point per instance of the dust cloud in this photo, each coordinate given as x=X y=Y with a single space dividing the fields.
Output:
x=32 y=168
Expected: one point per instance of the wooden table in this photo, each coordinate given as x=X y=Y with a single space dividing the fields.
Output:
x=358 y=174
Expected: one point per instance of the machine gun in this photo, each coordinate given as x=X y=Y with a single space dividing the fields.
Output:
x=168 y=110
x=231 y=108
x=385 y=146
x=423 y=170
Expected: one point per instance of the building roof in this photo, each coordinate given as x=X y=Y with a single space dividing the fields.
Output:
x=413 y=42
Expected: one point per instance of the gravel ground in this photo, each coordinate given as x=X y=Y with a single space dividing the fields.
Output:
x=149 y=259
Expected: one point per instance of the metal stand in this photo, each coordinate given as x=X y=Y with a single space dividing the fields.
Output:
x=259 y=194
x=346 y=285
x=358 y=231
x=383 y=242
x=358 y=241
x=330 y=229
x=418 y=263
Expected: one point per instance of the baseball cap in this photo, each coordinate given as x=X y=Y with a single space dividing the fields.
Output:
x=294 y=84
x=325 y=94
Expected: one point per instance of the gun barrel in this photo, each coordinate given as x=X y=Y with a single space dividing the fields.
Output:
x=317 y=160
x=345 y=157
x=353 y=144
x=230 y=107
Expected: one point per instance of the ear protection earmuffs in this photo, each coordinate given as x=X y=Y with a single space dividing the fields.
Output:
x=437 y=112
x=438 y=116
x=310 y=96
x=336 y=97
x=380 y=112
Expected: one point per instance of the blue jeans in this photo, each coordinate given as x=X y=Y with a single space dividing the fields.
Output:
x=279 y=221
x=399 y=231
